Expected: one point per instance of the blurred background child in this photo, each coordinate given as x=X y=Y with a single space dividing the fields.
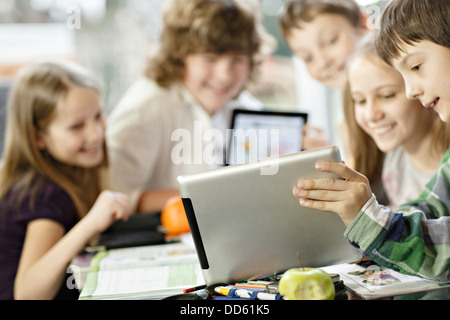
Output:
x=208 y=52
x=51 y=198
x=323 y=34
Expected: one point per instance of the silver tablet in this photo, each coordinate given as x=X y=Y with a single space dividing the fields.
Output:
x=247 y=224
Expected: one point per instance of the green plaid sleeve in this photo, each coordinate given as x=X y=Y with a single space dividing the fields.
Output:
x=414 y=239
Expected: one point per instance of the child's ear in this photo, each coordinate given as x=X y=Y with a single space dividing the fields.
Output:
x=40 y=142
x=364 y=23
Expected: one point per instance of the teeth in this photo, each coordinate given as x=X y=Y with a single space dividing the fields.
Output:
x=383 y=130
x=432 y=104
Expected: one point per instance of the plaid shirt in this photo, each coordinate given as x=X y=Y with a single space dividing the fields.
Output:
x=414 y=239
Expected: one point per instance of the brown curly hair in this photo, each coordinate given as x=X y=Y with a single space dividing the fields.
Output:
x=198 y=26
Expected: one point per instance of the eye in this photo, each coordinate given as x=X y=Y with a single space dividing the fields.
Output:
x=416 y=68
x=332 y=40
x=359 y=102
x=99 y=116
x=389 y=96
x=77 y=126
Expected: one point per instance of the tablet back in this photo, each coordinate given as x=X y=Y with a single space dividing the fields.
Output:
x=247 y=224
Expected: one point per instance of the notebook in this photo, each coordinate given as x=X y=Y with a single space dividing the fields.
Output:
x=247 y=224
x=257 y=135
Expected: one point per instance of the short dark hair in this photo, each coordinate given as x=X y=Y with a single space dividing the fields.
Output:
x=409 y=21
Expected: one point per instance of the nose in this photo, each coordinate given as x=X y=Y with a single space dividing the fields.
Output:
x=373 y=111
x=320 y=67
x=413 y=91
x=96 y=131
x=223 y=69
x=324 y=60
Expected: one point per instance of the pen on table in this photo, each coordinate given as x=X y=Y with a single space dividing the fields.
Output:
x=249 y=285
x=247 y=294
x=194 y=289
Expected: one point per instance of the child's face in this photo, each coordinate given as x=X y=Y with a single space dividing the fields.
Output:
x=324 y=44
x=214 y=80
x=382 y=109
x=425 y=67
x=75 y=135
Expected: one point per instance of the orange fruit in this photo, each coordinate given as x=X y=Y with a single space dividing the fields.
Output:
x=173 y=217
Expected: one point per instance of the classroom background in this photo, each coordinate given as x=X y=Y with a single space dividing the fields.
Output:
x=113 y=38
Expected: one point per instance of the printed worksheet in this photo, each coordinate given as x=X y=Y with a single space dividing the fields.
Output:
x=153 y=281
x=376 y=282
x=149 y=272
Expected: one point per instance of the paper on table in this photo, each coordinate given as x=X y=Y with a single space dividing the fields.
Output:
x=154 y=280
x=148 y=255
x=377 y=282
x=149 y=271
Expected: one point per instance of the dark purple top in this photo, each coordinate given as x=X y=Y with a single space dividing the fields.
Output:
x=51 y=202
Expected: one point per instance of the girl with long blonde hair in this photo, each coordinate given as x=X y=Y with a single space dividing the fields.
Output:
x=51 y=198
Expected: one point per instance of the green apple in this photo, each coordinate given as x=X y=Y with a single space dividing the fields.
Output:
x=306 y=284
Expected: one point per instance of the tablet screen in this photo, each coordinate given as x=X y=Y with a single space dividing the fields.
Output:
x=257 y=135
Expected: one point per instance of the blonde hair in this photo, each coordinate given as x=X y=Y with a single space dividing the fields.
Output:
x=37 y=91
x=198 y=26
x=367 y=157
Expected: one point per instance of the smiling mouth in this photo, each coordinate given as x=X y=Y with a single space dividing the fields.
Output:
x=333 y=74
x=217 y=89
x=383 y=130
x=432 y=104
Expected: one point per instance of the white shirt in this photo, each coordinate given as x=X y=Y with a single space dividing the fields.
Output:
x=401 y=180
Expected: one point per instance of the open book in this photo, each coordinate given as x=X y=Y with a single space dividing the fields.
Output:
x=375 y=282
x=147 y=272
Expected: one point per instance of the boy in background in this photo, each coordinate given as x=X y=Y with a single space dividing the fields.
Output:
x=208 y=51
x=324 y=33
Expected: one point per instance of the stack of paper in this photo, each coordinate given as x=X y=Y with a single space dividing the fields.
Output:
x=148 y=272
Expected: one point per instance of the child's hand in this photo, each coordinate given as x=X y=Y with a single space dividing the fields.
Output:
x=109 y=207
x=345 y=197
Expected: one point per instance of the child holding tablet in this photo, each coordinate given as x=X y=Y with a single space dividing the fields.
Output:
x=415 y=238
